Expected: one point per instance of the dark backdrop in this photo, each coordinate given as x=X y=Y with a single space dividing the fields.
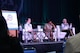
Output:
x=42 y=10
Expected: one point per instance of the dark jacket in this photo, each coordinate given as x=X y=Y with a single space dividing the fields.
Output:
x=11 y=45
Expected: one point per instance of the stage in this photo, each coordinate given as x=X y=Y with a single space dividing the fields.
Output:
x=44 y=47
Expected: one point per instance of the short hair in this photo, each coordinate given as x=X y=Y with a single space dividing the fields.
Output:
x=27 y=19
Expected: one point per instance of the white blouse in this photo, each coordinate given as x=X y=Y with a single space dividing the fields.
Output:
x=64 y=26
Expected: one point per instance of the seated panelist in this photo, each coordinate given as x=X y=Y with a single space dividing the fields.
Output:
x=48 y=29
x=65 y=27
x=29 y=30
x=28 y=26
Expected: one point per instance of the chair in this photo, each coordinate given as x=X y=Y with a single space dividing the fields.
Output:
x=60 y=34
x=40 y=34
x=26 y=35
x=73 y=29
x=23 y=34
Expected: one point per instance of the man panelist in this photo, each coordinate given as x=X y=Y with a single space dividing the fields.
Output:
x=28 y=28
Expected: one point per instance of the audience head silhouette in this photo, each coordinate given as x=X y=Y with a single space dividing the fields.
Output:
x=3 y=27
x=8 y=44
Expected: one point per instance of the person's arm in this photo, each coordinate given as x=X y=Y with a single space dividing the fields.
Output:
x=31 y=28
x=26 y=27
x=70 y=26
x=53 y=26
x=46 y=28
x=62 y=26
